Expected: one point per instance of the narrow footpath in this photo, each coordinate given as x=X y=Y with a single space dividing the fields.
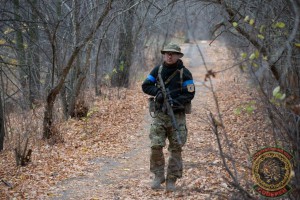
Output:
x=127 y=176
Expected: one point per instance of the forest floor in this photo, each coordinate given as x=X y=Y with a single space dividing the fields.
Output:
x=106 y=155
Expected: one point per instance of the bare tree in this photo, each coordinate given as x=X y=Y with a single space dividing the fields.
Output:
x=121 y=71
x=21 y=55
x=48 y=115
x=34 y=59
x=2 y=132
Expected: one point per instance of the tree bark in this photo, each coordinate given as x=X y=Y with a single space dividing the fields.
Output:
x=23 y=71
x=79 y=82
x=120 y=77
x=96 y=82
x=76 y=71
x=2 y=131
x=34 y=60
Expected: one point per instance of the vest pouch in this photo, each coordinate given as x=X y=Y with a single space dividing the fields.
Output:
x=188 y=108
x=151 y=104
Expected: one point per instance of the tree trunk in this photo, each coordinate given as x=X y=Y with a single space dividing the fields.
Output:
x=76 y=70
x=34 y=60
x=48 y=114
x=79 y=82
x=23 y=71
x=120 y=77
x=2 y=131
x=96 y=82
x=63 y=95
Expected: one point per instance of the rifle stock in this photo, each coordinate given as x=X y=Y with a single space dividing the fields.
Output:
x=167 y=100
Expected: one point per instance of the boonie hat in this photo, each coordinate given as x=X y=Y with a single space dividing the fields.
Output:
x=172 y=47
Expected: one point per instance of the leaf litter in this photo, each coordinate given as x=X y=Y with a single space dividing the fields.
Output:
x=105 y=156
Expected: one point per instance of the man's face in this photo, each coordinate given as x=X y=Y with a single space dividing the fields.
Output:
x=171 y=57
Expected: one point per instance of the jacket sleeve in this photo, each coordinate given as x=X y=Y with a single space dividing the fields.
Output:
x=149 y=86
x=188 y=90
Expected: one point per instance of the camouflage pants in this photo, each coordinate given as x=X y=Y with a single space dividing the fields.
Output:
x=161 y=129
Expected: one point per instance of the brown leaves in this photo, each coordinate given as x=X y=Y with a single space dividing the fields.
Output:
x=106 y=131
x=210 y=73
x=107 y=152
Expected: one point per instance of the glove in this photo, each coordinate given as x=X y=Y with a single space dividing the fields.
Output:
x=159 y=97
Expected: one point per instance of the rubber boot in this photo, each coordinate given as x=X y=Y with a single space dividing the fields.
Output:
x=157 y=181
x=170 y=186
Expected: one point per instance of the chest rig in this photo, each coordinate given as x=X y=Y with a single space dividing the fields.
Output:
x=187 y=106
x=180 y=71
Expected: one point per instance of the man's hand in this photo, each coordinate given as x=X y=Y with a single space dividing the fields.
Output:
x=159 y=97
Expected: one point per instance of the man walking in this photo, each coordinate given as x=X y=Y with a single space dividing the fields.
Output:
x=178 y=81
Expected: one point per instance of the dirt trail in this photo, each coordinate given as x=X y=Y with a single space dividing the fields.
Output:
x=98 y=184
x=127 y=176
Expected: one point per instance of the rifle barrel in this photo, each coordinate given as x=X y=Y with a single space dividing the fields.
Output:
x=167 y=99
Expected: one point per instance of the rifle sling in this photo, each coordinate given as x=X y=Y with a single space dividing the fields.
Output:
x=172 y=75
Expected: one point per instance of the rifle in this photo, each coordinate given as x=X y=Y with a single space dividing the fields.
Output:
x=167 y=101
